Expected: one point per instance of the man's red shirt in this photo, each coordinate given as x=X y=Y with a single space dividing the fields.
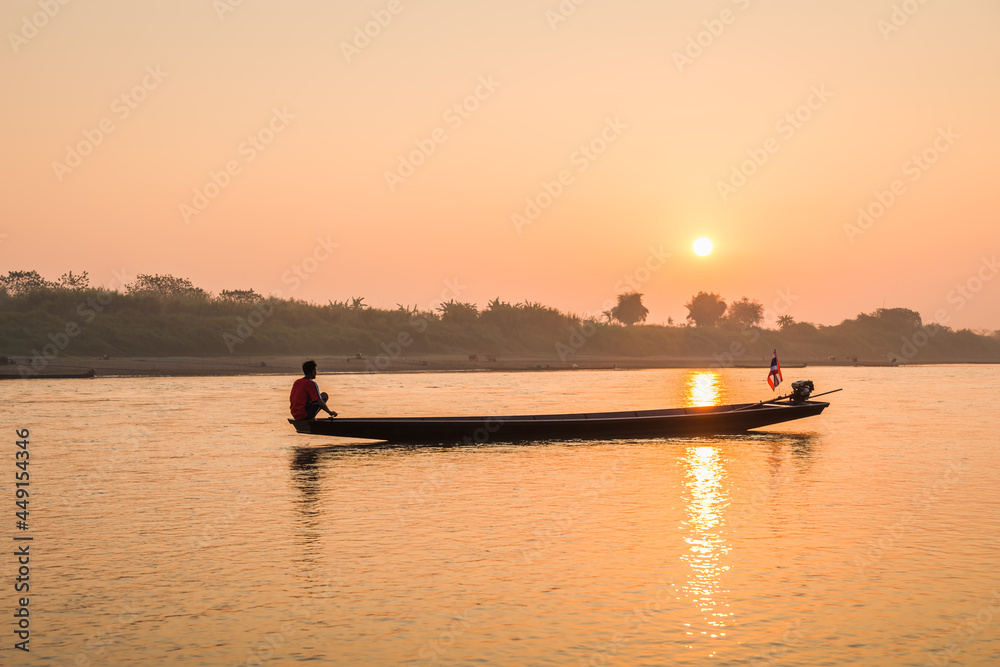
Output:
x=304 y=391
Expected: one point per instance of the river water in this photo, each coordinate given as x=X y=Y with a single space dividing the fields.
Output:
x=182 y=521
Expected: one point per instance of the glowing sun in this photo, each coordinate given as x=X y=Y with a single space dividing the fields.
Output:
x=702 y=246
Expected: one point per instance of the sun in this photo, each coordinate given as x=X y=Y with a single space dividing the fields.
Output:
x=702 y=246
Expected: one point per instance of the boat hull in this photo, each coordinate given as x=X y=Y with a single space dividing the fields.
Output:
x=49 y=376
x=714 y=420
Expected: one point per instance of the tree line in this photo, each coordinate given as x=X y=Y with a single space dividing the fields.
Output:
x=165 y=315
x=705 y=309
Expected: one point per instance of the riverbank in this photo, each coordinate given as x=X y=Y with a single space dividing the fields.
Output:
x=230 y=366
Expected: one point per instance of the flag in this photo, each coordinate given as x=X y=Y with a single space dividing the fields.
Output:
x=774 y=377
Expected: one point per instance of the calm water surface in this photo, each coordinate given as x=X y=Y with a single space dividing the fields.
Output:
x=182 y=521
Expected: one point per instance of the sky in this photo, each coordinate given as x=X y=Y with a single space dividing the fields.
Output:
x=841 y=156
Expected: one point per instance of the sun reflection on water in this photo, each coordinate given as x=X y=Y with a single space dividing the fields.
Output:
x=707 y=546
x=703 y=388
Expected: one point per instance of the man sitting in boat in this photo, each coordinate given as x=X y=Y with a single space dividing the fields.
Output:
x=306 y=399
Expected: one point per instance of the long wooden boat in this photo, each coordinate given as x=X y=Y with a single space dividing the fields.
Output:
x=49 y=376
x=709 y=420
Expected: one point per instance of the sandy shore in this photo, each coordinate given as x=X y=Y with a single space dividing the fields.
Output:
x=211 y=366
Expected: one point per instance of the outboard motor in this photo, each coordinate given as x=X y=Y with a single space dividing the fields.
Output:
x=801 y=391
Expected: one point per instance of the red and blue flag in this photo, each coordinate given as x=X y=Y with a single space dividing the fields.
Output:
x=774 y=377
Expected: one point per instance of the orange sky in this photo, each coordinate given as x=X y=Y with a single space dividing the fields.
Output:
x=300 y=120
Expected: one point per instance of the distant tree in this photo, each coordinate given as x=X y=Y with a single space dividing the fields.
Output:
x=455 y=311
x=357 y=303
x=894 y=319
x=630 y=310
x=17 y=283
x=164 y=286
x=785 y=321
x=801 y=328
x=240 y=296
x=905 y=316
x=744 y=314
x=74 y=281
x=500 y=314
x=705 y=309
x=534 y=316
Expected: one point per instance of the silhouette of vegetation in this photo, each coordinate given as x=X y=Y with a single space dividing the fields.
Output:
x=630 y=310
x=705 y=309
x=891 y=319
x=74 y=281
x=164 y=286
x=164 y=315
x=19 y=283
x=743 y=314
x=453 y=311
x=240 y=296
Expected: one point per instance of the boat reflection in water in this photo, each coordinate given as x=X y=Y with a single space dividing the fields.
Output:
x=307 y=479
